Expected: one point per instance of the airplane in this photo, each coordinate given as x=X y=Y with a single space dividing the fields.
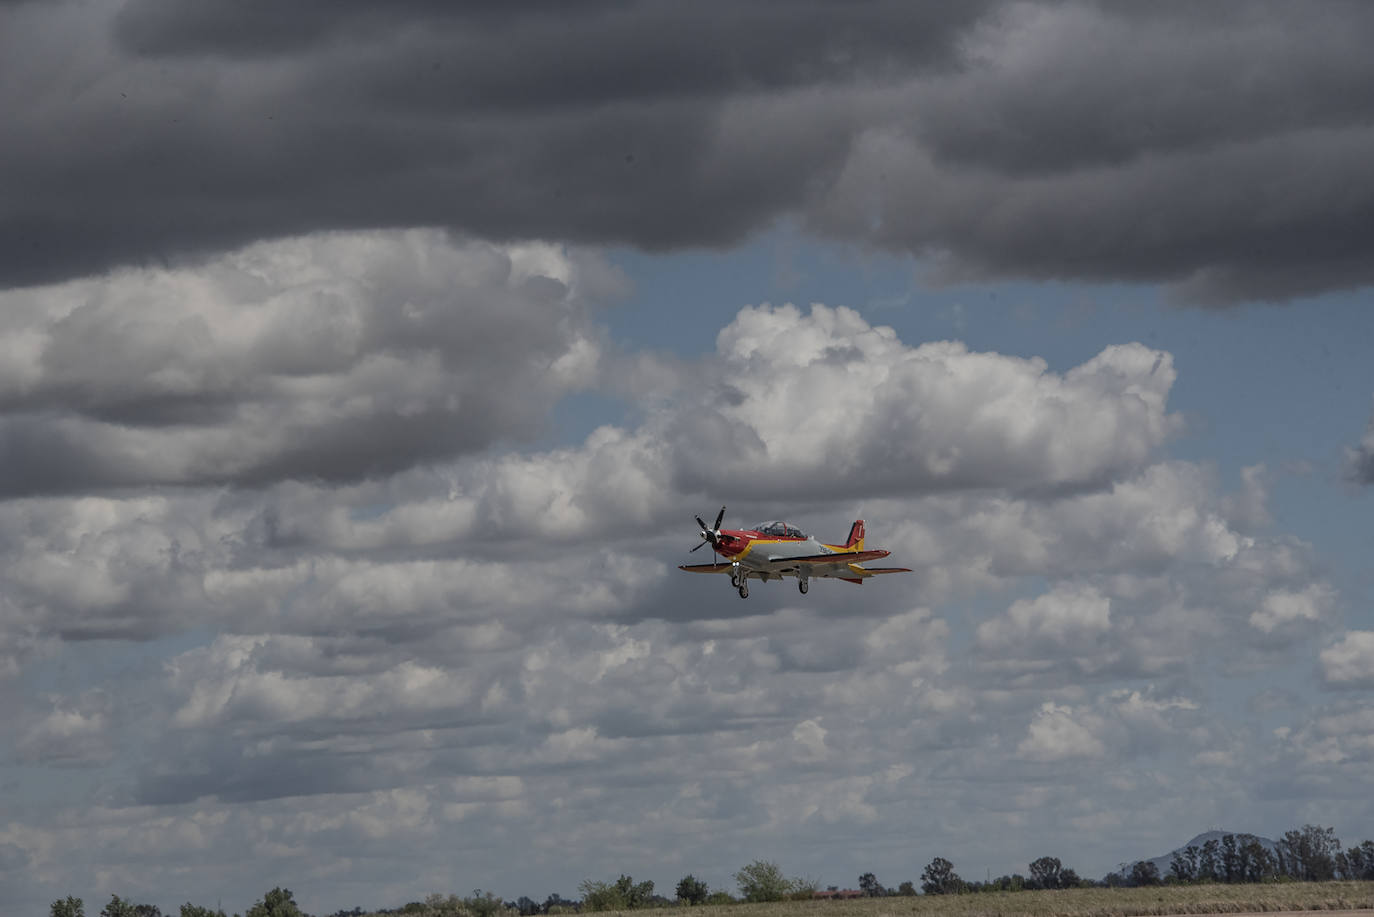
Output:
x=773 y=550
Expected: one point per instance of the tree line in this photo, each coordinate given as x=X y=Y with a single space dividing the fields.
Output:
x=1307 y=854
x=279 y=902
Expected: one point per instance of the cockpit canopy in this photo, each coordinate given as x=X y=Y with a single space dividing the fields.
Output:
x=779 y=530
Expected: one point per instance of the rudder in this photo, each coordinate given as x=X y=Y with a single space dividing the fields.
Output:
x=856 y=536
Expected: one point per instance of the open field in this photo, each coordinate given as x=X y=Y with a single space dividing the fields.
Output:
x=1083 y=902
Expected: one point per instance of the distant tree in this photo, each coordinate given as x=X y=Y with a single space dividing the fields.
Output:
x=1191 y=853
x=118 y=907
x=621 y=895
x=637 y=894
x=277 y=903
x=939 y=878
x=801 y=888
x=1209 y=861
x=1069 y=879
x=869 y=885
x=526 y=905
x=600 y=896
x=487 y=904
x=147 y=910
x=1144 y=872
x=438 y=905
x=1179 y=868
x=763 y=881
x=1044 y=873
x=1256 y=862
x=692 y=890
x=719 y=898
x=1231 y=869
x=1359 y=861
x=1309 y=853
x=906 y=889
x=557 y=903
x=195 y=910
x=70 y=906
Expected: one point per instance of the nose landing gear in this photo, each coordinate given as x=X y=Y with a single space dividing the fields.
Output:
x=740 y=580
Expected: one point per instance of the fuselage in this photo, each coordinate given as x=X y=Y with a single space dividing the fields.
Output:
x=761 y=548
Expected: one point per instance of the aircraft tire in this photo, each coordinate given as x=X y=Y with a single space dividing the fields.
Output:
x=744 y=590
x=803 y=586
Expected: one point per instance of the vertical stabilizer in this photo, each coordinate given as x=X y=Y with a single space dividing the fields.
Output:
x=856 y=536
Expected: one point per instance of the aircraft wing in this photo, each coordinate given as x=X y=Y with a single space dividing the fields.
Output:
x=839 y=557
x=705 y=568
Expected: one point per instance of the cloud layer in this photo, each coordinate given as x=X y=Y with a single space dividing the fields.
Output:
x=1037 y=140
x=341 y=675
x=334 y=357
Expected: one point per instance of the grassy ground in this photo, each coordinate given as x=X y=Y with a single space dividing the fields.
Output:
x=1079 y=902
x=1084 y=902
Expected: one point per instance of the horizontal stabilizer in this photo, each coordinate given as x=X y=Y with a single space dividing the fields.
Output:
x=856 y=574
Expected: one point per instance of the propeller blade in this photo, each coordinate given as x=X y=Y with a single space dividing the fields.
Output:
x=710 y=534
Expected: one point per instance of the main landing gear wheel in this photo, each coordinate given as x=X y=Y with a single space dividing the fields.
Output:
x=804 y=586
x=743 y=590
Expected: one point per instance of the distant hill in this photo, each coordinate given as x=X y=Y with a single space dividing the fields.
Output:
x=1164 y=861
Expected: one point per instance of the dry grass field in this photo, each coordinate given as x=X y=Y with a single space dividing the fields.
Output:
x=1085 y=902
x=1082 y=902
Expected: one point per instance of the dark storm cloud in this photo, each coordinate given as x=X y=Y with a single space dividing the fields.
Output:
x=542 y=53
x=181 y=133
x=186 y=128
x=1217 y=148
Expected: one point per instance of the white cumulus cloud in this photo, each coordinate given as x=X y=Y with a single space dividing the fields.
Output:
x=1350 y=661
x=823 y=398
x=1059 y=733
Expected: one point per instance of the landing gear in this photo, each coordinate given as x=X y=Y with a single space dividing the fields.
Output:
x=744 y=589
x=803 y=585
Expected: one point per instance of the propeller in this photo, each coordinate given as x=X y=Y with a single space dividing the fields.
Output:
x=710 y=535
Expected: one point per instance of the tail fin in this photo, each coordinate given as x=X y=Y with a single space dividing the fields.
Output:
x=856 y=536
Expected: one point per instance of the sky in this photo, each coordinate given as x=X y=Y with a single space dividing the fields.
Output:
x=363 y=365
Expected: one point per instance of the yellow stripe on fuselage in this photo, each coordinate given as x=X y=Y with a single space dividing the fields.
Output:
x=749 y=548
